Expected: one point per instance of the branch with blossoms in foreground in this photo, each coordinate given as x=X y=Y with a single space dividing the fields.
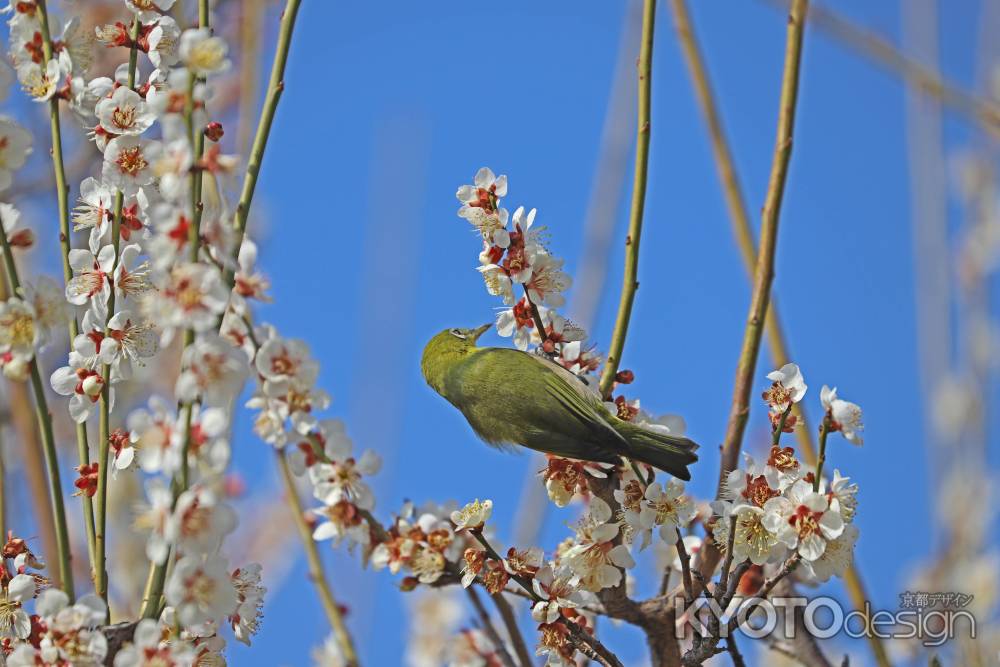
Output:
x=768 y=516
x=136 y=278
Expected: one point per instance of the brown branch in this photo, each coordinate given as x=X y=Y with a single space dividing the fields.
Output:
x=489 y=628
x=584 y=642
x=514 y=632
x=879 y=50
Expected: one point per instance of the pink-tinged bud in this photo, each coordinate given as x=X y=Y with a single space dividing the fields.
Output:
x=214 y=131
x=92 y=385
x=234 y=485
x=14 y=367
x=408 y=584
x=625 y=377
x=22 y=238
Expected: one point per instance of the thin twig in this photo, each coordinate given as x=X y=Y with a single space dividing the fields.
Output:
x=727 y=562
x=630 y=279
x=65 y=244
x=682 y=555
x=513 y=631
x=824 y=431
x=734 y=652
x=586 y=643
x=275 y=86
x=316 y=571
x=878 y=49
x=48 y=439
x=489 y=628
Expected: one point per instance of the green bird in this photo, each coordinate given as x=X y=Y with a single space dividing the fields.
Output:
x=511 y=397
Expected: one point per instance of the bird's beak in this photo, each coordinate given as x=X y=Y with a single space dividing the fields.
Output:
x=476 y=333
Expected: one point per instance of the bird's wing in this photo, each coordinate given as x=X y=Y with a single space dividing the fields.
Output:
x=563 y=418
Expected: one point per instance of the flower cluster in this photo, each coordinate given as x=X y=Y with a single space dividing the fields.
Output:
x=775 y=509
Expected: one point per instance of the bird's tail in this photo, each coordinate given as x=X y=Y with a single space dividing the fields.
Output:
x=670 y=453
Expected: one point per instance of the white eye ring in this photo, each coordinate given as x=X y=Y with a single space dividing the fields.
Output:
x=457 y=333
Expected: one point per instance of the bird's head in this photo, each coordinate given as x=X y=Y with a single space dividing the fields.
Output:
x=446 y=349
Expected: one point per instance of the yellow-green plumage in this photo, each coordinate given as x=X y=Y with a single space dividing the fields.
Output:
x=512 y=397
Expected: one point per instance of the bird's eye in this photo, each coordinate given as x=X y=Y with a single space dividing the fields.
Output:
x=457 y=333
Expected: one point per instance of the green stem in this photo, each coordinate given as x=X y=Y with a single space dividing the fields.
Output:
x=630 y=280
x=65 y=243
x=275 y=86
x=316 y=572
x=824 y=430
x=764 y=266
x=48 y=439
x=202 y=13
x=779 y=428
x=104 y=421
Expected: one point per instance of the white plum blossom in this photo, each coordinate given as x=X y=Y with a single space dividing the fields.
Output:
x=214 y=371
x=153 y=432
x=70 y=631
x=127 y=163
x=836 y=558
x=82 y=384
x=555 y=587
x=201 y=590
x=149 y=10
x=41 y=83
x=14 y=621
x=343 y=480
x=163 y=42
x=95 y=207
x=147 y=649
x=788 y=387
x=201 y=521
x=156 y=517
x=92 y=269
x=666 y=507
x=804 y=520
x=473 y=515
x=844 y=415
x=596 y=562
x=202 y=52
x=191 y=296
x=753 y=540
x=250 y=593
x=124 y=113
x=15 y=145
x=480 y=203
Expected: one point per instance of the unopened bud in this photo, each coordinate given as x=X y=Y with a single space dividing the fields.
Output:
x=408 y=584
x=15 y=367
x=92 y=385
x=214 y=131
x=22 y=238
x=625 y=377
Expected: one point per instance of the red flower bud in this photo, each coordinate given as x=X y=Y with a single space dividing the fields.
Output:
x=625 y=377
x=214 y=131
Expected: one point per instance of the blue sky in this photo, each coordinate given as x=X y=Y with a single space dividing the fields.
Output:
x=388 y=110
